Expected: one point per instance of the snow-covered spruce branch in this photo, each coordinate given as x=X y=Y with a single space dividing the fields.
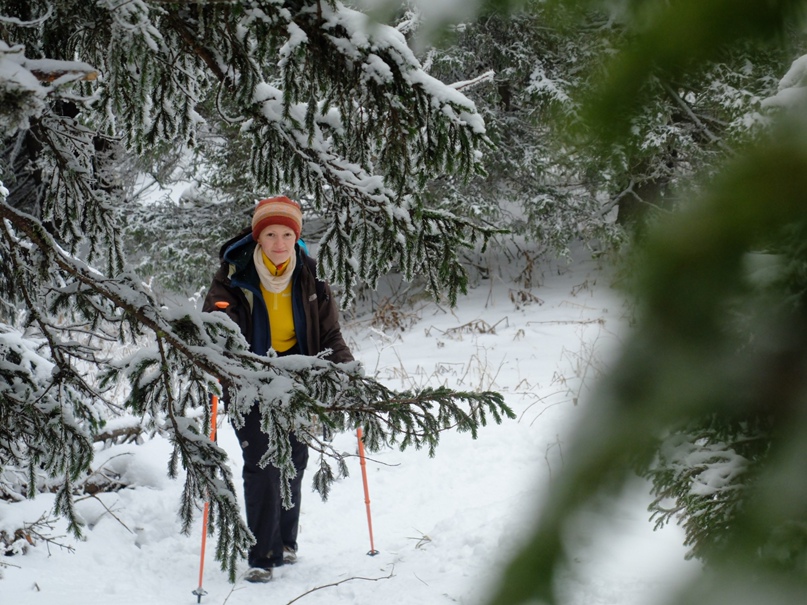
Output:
x=330 y=107
x=49 y=410
x=72 y=168
x=69 y=451
x=486 y=77
x=292 y=390
x=191 y=350
x=426 y=242
x=700 y=478
x=412 y=418
x=347 y=134
x=35 y=22
x=365 y=84
x=208 y=477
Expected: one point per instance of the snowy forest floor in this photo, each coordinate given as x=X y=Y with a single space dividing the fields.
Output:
x=443 y=526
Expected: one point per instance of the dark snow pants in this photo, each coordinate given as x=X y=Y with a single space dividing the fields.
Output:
x=273 y=526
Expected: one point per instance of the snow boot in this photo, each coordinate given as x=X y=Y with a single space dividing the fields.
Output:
x=289 y=555
x=258 y=575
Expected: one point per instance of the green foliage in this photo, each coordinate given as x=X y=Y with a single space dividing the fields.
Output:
x=711 y=378
x=521 y=69
x=673 y=40
x=530 y=70
x=176 y=245
x=527 y=66
x=702 y=476
x=314 y=101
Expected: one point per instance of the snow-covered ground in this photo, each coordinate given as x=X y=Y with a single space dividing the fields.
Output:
x=443 y=526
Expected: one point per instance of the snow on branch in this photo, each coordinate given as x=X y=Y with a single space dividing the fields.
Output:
x=336 y=109
x=192 y=351
x=60 y=72
x=53 y=71
x=484 y=78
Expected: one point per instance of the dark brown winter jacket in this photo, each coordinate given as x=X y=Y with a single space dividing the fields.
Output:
x=315 y=312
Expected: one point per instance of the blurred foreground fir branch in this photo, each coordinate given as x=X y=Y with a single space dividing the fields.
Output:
x=716 y=364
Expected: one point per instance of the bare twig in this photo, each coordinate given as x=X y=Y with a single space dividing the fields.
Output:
x=7 y=564
x=308 y=592
x=560 y=451
x=44 y=522
x=229 y=594
x=316 y=444
x=564 y=322
x=692 y=115
x=423 y=539
x=539 y=400
x=109 y=510
x=109 y=484
x=127 y=431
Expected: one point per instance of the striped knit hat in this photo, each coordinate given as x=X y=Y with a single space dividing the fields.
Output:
x=278 y=210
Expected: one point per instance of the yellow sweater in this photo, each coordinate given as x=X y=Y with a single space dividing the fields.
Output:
x=281 y=319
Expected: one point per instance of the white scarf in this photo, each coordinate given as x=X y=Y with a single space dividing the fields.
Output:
x=273 y=283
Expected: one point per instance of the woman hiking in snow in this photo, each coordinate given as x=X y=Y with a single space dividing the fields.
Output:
x=267 y=284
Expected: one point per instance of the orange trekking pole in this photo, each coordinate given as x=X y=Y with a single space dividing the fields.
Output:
x=373 y=552
x=199 y=592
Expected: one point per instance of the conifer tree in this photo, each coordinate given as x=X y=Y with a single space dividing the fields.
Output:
x=324 y=104
x=529 y=71
x=526 y=71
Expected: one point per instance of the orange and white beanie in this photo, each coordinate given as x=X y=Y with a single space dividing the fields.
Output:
x=278 y=210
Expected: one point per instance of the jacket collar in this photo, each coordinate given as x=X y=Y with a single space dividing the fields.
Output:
x=238 y=253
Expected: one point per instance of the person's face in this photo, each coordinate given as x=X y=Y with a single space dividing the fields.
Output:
x=277 y=243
